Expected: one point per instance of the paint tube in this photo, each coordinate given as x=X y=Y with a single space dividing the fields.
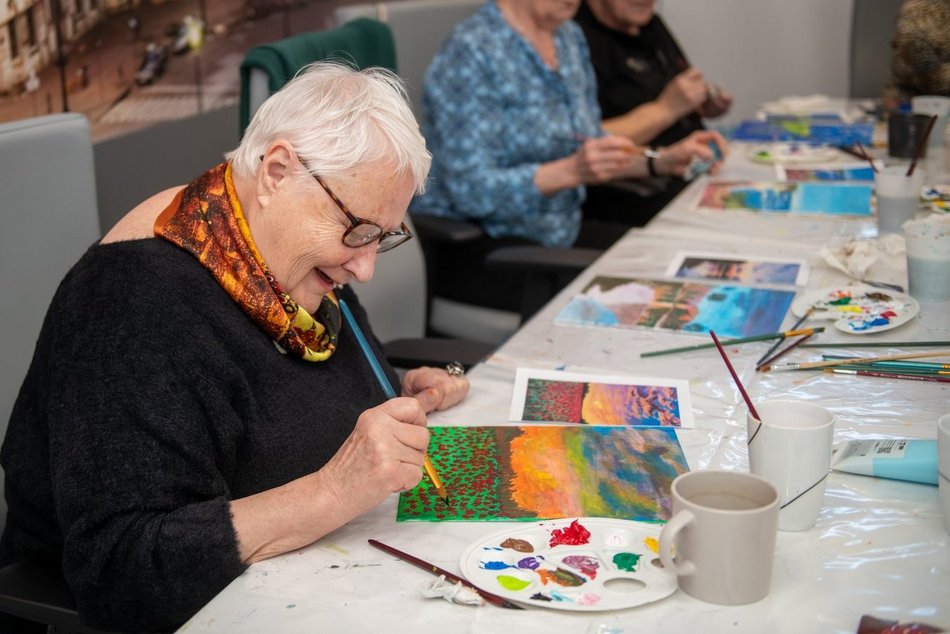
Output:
x=903 y=459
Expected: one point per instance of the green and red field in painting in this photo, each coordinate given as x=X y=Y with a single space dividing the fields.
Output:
x=533 y=472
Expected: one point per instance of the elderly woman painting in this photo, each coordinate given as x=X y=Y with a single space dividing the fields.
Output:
x=194 y=404
x=512 y=119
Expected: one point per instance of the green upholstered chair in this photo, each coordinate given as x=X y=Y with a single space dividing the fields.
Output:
x=266 y=68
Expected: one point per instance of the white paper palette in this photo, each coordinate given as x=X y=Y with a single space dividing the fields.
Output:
x=859 y=309
x=615 y=568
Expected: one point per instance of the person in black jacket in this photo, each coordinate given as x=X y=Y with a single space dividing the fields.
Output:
x=648 y=92
x=195 y=402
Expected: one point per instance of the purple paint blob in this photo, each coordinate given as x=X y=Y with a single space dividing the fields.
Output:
x=587 y=565
x=529 y=563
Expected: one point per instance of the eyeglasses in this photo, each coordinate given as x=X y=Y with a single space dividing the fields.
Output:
x=362 y=232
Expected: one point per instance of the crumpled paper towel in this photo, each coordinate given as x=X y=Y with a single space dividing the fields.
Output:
x=855 y=257
x=451 y=592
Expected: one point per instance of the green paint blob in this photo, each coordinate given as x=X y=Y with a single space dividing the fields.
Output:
x=513 y=583
x=626 y=561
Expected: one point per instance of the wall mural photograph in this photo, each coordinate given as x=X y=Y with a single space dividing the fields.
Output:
x=128 y=64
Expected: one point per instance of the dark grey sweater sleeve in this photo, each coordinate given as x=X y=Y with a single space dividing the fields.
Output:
x=151 y=402
x=139 y=434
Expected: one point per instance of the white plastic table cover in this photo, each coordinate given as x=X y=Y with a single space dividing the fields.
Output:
x=879 y=546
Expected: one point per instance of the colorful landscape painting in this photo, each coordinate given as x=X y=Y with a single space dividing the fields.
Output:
x=565 y=397
x=689 y=307
x=812 y=198
x=535 y=472
x=742 y=269
x=862 y=172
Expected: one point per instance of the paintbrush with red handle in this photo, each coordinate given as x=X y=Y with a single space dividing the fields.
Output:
x=494 y=599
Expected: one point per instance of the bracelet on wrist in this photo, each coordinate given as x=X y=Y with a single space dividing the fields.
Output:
x=652 y=155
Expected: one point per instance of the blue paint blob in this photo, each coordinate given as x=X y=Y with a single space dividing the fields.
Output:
x=494 y=565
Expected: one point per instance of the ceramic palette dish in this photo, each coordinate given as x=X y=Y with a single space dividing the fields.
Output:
x=584 y=564
x=936 y=198
x=793 y=153
x=859 y=309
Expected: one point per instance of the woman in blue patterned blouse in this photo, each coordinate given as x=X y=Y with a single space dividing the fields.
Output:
x=512 y=120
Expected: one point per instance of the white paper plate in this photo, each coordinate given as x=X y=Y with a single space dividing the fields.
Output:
x=790 y=152
x=858 y=309
x=616 y=568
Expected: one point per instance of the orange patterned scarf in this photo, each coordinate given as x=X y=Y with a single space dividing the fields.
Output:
x=206 y=220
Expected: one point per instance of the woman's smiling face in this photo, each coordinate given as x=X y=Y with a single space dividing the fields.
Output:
x=298 y=228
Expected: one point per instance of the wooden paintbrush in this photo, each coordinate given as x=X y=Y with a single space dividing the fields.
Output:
x=389 y=391
x=830 y=364
x=494 y=599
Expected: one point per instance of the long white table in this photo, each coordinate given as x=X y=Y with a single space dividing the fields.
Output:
x=879 y=546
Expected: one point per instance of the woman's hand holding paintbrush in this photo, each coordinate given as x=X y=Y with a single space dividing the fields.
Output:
x=384 y=454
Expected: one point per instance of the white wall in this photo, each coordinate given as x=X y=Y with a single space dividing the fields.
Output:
x=760 y=50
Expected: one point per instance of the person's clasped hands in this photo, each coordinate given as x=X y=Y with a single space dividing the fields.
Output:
x=689 y=92
x=675 y=159
x=602 y=159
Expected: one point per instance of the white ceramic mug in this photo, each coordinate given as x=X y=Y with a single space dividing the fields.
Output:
x=791 y=448
x=943 y=467
x=723 y=533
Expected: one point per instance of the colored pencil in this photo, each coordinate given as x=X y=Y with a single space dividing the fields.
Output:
x=494 y=599
x=907 y=365
x=921 y=144
x=783 y=352
x=881 y=344
x=837 y=362
x=798 y=323
x=873 y=367
x=891 y=375
x=732 y=342
x=389 y=391
x=735 y=377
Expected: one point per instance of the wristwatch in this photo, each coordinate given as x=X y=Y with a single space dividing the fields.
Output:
x=652 y=154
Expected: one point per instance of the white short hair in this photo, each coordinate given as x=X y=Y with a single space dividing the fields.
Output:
x=337 y=118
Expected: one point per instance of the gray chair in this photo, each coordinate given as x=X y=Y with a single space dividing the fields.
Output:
x=49 y=219
x=395 y=300
x=872 y=28
x=419 y=27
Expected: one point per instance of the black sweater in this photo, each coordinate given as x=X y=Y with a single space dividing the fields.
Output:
x=151 y=401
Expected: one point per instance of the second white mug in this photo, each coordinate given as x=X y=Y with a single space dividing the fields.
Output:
x=791 y=448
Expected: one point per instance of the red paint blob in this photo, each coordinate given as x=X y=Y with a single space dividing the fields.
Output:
x=573 y=535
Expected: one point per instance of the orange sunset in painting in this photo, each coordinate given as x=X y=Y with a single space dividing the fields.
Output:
x=601 y=403
x=532 y=472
